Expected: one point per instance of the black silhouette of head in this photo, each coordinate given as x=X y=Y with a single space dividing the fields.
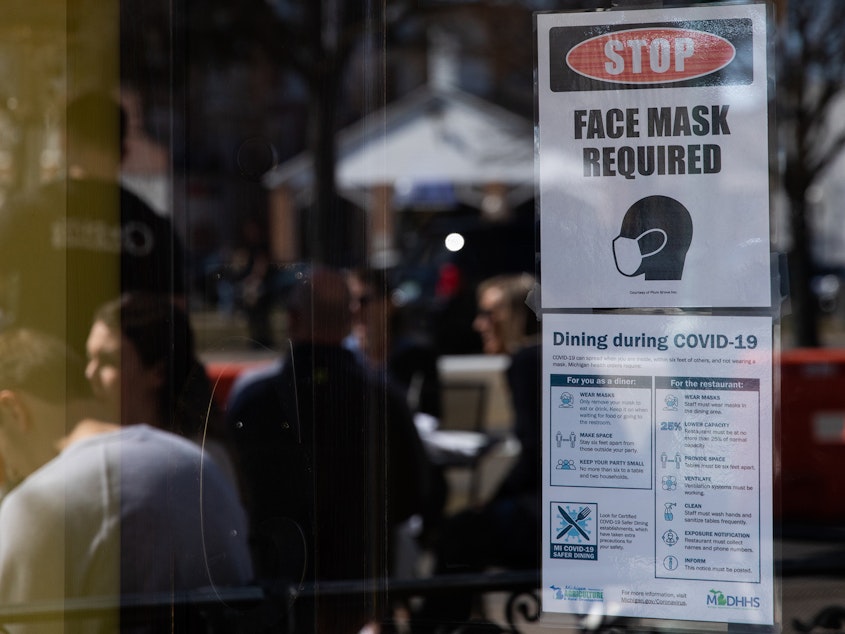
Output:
x=654 y=239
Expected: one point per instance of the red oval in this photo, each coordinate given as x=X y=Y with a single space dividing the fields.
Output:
x=650 y=56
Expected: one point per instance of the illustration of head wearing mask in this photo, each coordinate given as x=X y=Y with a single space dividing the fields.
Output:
x=654 y=239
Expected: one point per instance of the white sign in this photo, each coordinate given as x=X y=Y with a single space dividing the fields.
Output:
x=657 y=494
x=653 y=155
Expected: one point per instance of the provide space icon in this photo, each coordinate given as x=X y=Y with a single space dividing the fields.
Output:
x=676 y=460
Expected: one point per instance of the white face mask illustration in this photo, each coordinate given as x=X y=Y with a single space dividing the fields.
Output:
x=626 y=252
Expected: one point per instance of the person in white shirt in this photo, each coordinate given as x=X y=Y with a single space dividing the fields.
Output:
x=101 y=511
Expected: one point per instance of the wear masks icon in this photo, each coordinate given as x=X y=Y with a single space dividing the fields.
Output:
x=628 y=255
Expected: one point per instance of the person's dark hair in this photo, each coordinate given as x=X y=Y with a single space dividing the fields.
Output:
x=161 y=334
x=382 y=284
x=378 y=280
x=40 y=365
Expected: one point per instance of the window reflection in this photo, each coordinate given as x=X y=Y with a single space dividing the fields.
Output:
x=161 y=251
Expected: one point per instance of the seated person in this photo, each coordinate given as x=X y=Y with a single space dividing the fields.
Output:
x=383 y=341
x=505 y=531
x=105 y=511
x=408 y=359
x=331 y=462
x=163 y=384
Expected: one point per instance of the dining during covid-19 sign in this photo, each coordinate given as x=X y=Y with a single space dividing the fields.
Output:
x=657 y=466
x=653 y=158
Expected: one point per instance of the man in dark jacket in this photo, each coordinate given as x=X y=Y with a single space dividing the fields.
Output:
x=74 y=244
x=330 y=462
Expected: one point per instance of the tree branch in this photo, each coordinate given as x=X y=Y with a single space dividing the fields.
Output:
x=829 y=154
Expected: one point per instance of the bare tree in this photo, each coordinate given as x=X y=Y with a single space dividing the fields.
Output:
x=315 y=40
x=810 y=82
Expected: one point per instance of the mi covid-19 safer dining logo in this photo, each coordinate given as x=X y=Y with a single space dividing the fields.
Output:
x=665 y=55
x=574 y=534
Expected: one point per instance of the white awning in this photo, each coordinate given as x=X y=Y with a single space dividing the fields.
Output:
x=428 y=137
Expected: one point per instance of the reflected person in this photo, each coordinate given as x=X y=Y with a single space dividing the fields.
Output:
x=331 y=462
x=143 y=367
x=505 y=530
x=73 y=244
x=101 y=510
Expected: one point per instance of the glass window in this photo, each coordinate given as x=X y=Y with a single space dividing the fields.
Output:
x=272 y=336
